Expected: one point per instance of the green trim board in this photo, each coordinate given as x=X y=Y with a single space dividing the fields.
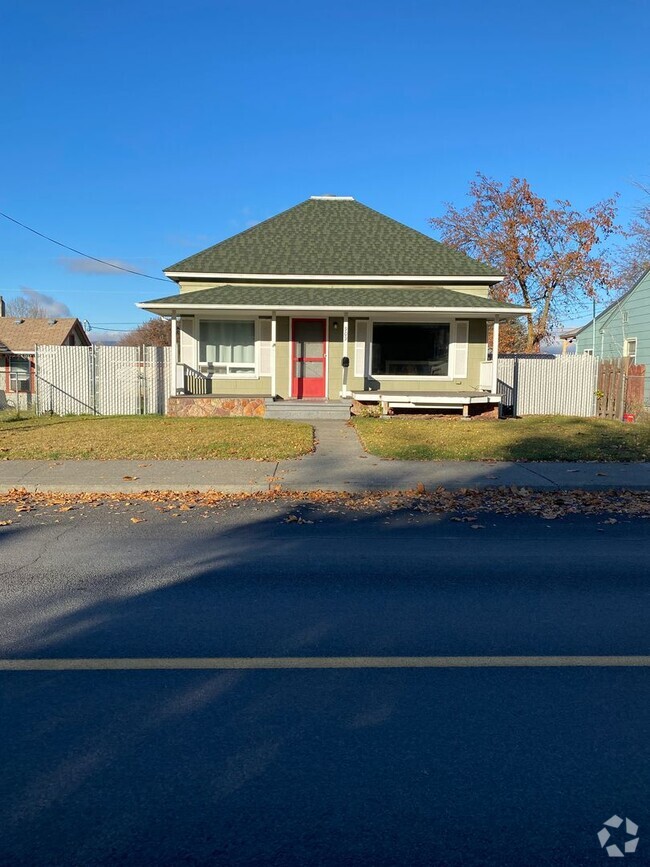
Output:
x=332 y=235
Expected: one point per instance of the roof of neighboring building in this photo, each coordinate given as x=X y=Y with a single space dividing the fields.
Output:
x=23 y=335
x=332 y=236
x=346 y=297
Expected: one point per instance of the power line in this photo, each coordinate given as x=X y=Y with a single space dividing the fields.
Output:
x=80 y=253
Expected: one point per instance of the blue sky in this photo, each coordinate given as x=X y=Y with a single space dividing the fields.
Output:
x=142 y=132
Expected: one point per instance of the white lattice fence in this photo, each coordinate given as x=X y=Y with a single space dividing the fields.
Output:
x=564 y=385
x=156 y=379
x=101 y=380
x=64 y=380
x=117 y=376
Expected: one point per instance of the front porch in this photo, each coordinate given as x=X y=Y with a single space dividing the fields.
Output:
x=436 y=401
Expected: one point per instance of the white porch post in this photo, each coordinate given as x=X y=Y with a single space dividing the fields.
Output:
x=495 y=353
x=173 y=358
x=344 y=383
x=274 y=389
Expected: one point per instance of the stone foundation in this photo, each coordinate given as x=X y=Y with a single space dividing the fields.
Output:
x=206 y=406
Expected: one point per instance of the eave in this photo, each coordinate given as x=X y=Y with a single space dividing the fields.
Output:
x=489 y=280
x=465 y=312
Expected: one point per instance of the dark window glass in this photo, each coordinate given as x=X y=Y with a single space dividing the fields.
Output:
x=410 y=349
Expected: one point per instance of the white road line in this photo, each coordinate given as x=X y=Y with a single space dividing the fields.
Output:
x=319 y=662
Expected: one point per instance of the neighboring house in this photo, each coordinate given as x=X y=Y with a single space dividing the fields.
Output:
x=622 y=329
x=330 y=301
x=18 y=341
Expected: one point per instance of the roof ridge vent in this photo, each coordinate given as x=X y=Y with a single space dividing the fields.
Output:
x=51 y=321
x=330 y=197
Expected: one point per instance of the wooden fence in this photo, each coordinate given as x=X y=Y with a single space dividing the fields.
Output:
x=620 y=388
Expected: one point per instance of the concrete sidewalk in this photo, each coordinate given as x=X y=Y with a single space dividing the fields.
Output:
x=338 y=464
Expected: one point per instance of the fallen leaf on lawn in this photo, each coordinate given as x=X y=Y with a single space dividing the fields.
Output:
x=137 y=520
x=129 y=478
x=25 y=509
x=65 y=509
x=5 y=523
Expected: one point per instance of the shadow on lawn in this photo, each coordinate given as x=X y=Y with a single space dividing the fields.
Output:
x=572 y=439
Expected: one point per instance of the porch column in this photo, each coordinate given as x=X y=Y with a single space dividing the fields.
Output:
x=495 y=354
x=274 y=389
x=173 y=358
x=344 y=384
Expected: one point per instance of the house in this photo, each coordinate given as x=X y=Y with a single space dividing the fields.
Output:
x=18 y=341
x=326 y=304
x=622 y=330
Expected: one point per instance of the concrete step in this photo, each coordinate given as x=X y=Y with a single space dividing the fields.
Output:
x=307 y=410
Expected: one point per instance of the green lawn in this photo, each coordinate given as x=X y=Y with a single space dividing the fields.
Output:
x=535 y=438
x=150 y=437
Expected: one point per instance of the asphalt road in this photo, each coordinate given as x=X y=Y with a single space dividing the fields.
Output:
x=350 y=766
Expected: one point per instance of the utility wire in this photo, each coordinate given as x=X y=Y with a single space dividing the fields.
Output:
x=79 y=252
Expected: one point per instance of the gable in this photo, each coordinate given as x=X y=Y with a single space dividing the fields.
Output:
x=23 y=335
x=336 y=237
x=627 y=316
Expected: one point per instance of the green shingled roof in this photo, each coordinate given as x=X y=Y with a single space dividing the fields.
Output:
x=335 y=236
x=297 y=297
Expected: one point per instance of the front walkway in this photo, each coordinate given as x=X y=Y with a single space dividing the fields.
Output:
x=338 y=464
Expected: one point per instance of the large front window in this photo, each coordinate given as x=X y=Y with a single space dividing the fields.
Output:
x=227 y=347
x=410 y=349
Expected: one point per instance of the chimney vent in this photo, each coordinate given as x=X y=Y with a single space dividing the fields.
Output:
x=3 y=309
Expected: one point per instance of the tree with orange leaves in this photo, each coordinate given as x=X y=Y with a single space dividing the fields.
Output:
x=551 y=256
x=153 y=332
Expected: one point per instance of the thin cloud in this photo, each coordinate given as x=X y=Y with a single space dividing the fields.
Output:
x=89 y=266
x=40 y=303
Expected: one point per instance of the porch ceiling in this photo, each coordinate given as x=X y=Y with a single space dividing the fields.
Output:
x=350 y=299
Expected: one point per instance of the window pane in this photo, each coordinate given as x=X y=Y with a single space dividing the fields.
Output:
x=19 y=374
x=309 y=338
x=227 y=342
x=309 y=369
x=410 y=349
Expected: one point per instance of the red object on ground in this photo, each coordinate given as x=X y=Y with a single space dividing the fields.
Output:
x=627 y=416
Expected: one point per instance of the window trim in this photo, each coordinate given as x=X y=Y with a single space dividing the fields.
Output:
x=12 y=376
x=432 y=320
x=626 y=347
x=253 y=367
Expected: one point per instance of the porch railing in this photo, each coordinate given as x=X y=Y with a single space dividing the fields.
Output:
x=191 y=381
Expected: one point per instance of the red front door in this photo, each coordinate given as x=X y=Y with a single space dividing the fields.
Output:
x=308 y=358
